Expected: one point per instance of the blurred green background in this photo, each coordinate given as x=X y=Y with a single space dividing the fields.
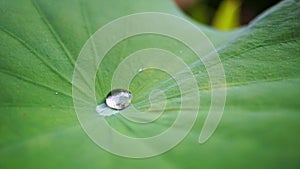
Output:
x=224 y=14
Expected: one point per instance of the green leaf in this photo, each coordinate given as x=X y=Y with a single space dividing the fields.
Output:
x=40 y=41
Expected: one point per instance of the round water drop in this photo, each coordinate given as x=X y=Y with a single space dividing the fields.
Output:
x=140 y=69
x=118 y=99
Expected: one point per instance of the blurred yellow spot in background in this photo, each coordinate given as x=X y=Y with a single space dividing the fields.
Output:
x=228 y=15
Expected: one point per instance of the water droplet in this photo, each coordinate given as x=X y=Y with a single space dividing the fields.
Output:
x=180 y=51
x=118 y=99
x=56 y=93
x=140 y=69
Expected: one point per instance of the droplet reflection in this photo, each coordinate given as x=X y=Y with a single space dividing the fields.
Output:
x=118 y=99
x=104 y=110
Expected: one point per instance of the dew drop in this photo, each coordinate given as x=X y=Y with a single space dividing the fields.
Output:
x=118 y=99
x=56 y=93
x=140 y=69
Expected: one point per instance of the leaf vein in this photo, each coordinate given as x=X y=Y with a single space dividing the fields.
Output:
x=36 y=53
x=53 y=32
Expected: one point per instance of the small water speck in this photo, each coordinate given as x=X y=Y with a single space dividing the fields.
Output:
x=118 y=99
x=181 y=51
x=56 y=93
x=140 y=69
